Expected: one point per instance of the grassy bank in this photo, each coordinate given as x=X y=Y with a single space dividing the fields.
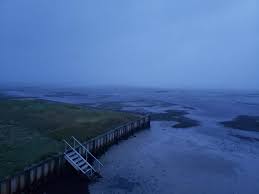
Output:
x=31 y=130
x=178 y=116
x=243 y=122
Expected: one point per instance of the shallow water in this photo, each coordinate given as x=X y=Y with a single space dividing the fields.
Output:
x=205 y=159
x=166 y=160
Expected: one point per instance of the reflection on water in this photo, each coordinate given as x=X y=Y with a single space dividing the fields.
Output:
x=69 y=183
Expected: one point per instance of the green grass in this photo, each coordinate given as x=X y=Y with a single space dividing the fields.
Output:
x=31 y=130
x=243 y=122
x=178 y=116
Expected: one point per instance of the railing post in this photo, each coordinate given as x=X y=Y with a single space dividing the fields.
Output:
x=6 y=187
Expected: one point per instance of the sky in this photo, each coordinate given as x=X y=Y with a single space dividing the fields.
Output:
x=153 y=43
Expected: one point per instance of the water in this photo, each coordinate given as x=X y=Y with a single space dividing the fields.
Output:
x=205 y=159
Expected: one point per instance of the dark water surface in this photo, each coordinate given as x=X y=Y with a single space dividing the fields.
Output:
x=68 y=183
x=206 y=158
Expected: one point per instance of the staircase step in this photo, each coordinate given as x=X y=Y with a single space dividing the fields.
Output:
x=77 y=159
x=74 y=157
x=85 y=166
x=70 y=154
x=81 y=163
x=87 y=170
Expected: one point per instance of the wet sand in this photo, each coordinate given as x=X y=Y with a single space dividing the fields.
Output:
x=166 y=160
x=204 y=159
x=178 y=116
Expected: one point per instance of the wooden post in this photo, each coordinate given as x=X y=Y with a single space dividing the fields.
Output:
x=116 y=135
x=32 y=176
x=14 y=184
x=96 y=145
x=106 y=140
x=26 y=179
x=6 y=186
x=38 y=173
x=132 y=128
x=52 y=166
x=102 y=142
x=93 y=150
x=58 y=165
x=22 y=182
x=46 y=171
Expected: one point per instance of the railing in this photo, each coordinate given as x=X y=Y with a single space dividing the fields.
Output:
x=80 y=157
x=87 y=152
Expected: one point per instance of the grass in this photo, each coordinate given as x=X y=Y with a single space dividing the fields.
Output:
x=178 y=116
x=31 y=130
x=243 y=122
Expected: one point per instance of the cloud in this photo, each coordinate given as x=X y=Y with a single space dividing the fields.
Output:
x=198 y=44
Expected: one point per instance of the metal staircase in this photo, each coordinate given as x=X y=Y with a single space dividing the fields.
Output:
x=80 y=161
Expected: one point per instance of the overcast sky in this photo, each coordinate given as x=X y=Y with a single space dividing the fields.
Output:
x=158 y=43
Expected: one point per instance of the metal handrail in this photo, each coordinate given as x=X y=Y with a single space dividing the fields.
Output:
x=79 y=156
x=87 y=150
